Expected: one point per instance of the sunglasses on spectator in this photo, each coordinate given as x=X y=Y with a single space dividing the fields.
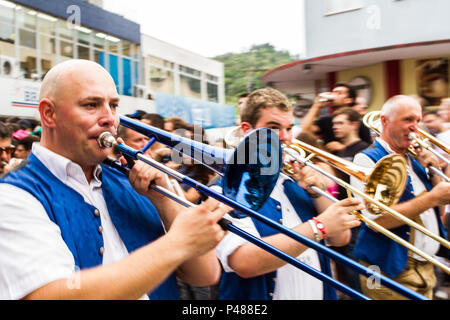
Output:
x=8 y=150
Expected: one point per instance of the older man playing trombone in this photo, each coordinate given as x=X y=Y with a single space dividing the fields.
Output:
x=423 y=194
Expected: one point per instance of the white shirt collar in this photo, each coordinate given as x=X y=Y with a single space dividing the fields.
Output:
x=62 y=167
x=385 y=145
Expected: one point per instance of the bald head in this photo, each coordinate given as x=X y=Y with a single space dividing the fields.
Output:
x=394 y=104
x=64 y=74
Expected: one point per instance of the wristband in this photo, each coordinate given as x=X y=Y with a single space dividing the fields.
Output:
x=314 y=229
x=321 y=227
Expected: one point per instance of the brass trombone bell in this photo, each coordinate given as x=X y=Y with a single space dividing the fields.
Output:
x=385 y=182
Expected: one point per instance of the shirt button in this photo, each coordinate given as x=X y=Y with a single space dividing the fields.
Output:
x=101 y=250
x=100 y=229
x=96 y=213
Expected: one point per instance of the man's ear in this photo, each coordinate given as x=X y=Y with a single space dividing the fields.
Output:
x=47 y=112
x=246 y=127
x=383 y=120
x=356 y=125
x=349 y=101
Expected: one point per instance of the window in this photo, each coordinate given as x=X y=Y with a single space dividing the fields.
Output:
x=190 y=71
x=190 y=87
x=127 y=77
x=99 y=57
x=213 y=92
x=26 y=18
x=47 y=24
x=212 y=78
x=66 y=49
x=126 y=48
x=83 y=52
x=63 y=30
x=162 y=80
x=99 y=40
x=114 y=69
x=27 y=38
x=84 y=35
x=339 y=6
x=161 y=62
x=7 y=11
x=47 y=44
x=113 y=44
x=7 y=32
x=48 y=53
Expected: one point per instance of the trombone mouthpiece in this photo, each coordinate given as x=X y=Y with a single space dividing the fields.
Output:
x=106 y=140
x=412 y=136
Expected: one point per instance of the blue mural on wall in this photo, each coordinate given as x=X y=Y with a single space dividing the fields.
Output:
x=205 y=113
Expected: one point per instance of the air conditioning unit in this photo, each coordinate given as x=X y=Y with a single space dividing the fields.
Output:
x=8 y=66
x=141 y=91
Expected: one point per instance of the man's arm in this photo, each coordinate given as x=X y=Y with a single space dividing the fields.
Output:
x=200 y=270
x=250 y=261
x=439 y=195
x=192 y=233
x=312 y=114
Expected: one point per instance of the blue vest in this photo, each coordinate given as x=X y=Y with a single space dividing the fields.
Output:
x=376 y=248
x=233 y=287
x=133 y=215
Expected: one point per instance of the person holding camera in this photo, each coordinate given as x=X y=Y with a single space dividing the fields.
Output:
x=342 y=95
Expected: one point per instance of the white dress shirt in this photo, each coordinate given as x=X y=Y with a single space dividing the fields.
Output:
x=34 y=252
x=291 y=283
x=421 y=241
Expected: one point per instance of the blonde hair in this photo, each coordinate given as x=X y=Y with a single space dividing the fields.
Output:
x=262 y=99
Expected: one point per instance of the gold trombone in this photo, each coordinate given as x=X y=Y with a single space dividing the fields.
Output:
x=388 y=169
x=372 y=121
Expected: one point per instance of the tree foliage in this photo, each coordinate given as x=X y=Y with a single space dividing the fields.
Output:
x=243 y=70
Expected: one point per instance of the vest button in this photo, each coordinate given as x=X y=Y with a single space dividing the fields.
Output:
x=281 y=220
x=100 y=229
x=96 y=213
x=101 y=250
x=278 y=207
x=271 y=294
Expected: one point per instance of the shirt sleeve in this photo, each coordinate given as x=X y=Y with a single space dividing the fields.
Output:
x=32 y=251
x=362 y=160
x=231 y=241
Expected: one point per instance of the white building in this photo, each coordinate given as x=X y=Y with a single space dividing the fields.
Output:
x=150 y=74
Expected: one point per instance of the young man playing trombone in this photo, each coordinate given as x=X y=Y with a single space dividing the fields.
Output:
x=252 y=273
x=424 y=192
x=78 y=230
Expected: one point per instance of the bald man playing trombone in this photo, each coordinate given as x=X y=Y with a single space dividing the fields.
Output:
x=423 y=194
x=80 y=230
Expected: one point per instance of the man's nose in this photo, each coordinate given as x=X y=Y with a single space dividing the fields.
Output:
x=285 y=135
x=414 y=126
x=3 y=155
x=107 y=116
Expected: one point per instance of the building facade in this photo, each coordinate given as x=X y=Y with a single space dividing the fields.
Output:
x=383 y=47
x=35 y=35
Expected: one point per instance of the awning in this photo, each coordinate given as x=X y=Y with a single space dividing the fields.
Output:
x=299 y=76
